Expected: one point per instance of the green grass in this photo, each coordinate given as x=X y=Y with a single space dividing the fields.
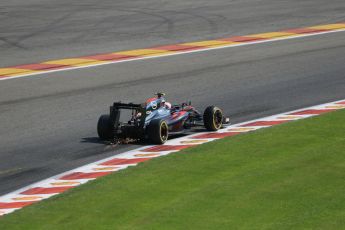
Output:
x=287 y=177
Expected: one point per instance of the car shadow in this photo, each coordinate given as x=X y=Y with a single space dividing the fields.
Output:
x=97 y=140
x=93 y=140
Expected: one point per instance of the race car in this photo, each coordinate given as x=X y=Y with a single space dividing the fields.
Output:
x=156 y=120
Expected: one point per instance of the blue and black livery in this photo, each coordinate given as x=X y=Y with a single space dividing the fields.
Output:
x=156 y=120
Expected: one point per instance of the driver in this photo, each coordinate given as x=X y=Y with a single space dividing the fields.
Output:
x=164 y=103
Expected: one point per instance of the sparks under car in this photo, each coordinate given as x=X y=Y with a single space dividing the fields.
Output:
x=155 y=120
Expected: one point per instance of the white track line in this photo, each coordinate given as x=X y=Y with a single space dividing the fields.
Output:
x=176 y=53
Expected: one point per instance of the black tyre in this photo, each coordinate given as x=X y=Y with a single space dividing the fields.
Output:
x=158 y=131
x=213 y=118
x=104 y=129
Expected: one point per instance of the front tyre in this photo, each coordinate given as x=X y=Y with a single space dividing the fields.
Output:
x=104 y=128
x=213 y=118
x=158 y=131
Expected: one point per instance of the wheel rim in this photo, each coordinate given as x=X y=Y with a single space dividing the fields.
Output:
x=218 y=119
x=164 y=131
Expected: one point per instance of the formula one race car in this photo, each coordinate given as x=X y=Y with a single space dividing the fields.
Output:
x=156 y=120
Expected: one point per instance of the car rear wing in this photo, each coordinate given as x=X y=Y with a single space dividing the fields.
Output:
x=115 y=112
x=133 y=106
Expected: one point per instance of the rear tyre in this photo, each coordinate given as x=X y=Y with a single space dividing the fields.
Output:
x=104 y=129
x=213 y=118
x=158 y=131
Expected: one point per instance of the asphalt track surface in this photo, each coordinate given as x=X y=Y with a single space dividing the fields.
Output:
x=48 y=122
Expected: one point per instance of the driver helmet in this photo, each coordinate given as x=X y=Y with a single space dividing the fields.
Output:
x=168 y=105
